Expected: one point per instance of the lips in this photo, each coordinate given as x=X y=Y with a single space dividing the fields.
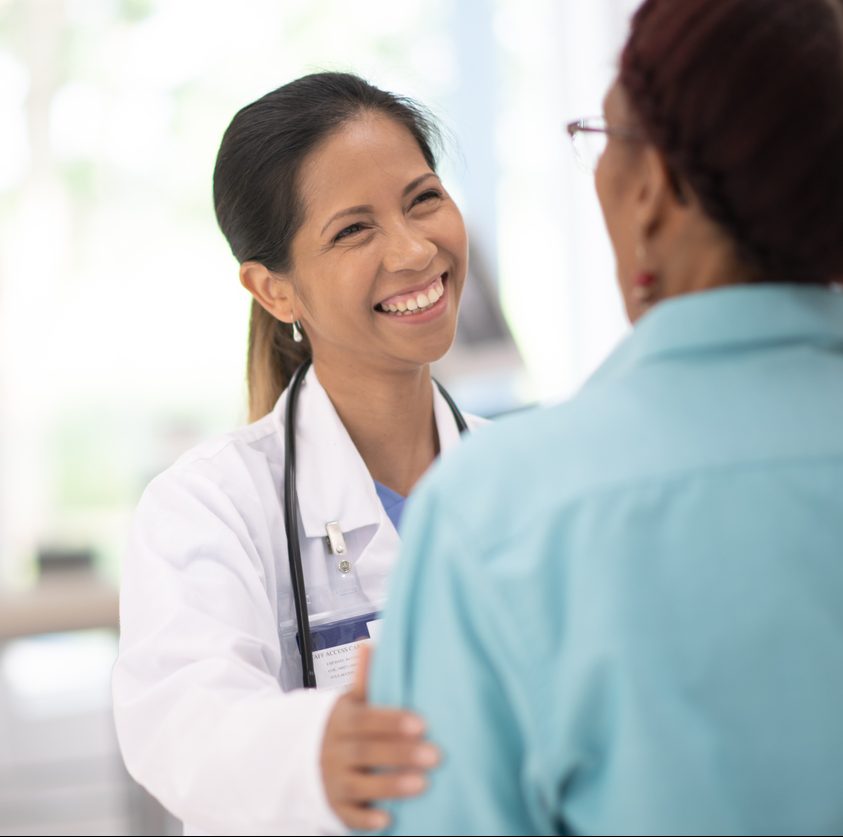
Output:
x=414 y=300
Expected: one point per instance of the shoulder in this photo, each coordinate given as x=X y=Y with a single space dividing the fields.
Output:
x=260 y=437
x=526 y=442
x=515 y=472
x=237 y=465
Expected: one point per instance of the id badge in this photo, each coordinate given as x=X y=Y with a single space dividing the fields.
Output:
x=335 y=647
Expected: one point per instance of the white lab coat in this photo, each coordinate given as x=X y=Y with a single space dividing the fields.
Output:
x=208 y=711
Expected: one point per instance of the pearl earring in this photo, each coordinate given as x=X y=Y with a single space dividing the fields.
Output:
x=297 y=335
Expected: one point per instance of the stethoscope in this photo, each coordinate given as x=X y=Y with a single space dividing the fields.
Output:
x=291 y=506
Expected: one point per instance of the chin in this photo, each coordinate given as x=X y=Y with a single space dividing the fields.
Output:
x=432 y=350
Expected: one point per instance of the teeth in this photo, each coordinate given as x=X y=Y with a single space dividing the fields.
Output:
x=421 y=301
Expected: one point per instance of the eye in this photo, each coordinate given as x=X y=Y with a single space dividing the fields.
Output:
x=351 y=229
x=430 y=194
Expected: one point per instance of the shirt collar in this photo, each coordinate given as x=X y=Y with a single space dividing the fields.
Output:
x=730 y=318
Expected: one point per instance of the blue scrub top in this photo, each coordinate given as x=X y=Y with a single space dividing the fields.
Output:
x=393 y=503
x=624 y=614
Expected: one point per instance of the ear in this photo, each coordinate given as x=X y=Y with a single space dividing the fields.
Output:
x=273 y=291
x=657 y=200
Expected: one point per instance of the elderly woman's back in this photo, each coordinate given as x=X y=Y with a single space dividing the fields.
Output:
x=654 y=642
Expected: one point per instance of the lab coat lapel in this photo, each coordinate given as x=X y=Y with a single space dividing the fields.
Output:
x=332 y=479
x=333 y=482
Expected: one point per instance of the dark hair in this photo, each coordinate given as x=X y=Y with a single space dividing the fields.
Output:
x=257 y=201
x=744 y=99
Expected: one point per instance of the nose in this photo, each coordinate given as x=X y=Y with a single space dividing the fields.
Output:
x=408 y=248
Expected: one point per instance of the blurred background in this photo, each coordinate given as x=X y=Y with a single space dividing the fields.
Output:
x=123 y=326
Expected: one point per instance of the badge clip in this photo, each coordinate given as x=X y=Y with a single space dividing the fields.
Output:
x=336 y=542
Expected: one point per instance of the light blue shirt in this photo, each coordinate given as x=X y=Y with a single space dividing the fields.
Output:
x=625 y=614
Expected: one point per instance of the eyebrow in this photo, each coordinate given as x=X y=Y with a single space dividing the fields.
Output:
x=363 y=208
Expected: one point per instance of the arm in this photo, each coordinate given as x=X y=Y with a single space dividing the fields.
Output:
x=201 y=718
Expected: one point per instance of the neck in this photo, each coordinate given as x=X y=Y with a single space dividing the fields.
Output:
x=703 y=259
x=389 y=417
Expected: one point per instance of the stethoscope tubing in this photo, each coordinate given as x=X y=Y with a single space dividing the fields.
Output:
x=291 y=523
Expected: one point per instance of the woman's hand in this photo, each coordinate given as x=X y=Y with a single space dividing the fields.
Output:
x=371 y=753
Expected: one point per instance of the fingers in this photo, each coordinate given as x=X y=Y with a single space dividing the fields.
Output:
x=351 y=793
x=395 y=753
x=358 y=688
x=361 y=788
x=363 y=720
x=370 y=720
x=388 y=723
x=357 y=818
x=371 y=754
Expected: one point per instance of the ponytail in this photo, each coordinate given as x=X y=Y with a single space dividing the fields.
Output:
x=273 y=358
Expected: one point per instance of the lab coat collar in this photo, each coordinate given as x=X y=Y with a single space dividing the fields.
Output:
x=730 y=318
x=333 y=482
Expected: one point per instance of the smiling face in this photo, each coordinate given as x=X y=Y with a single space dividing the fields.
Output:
x=379 y=262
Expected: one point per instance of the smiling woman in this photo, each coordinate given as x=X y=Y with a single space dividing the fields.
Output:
x=355 y=256
x=379 y=232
